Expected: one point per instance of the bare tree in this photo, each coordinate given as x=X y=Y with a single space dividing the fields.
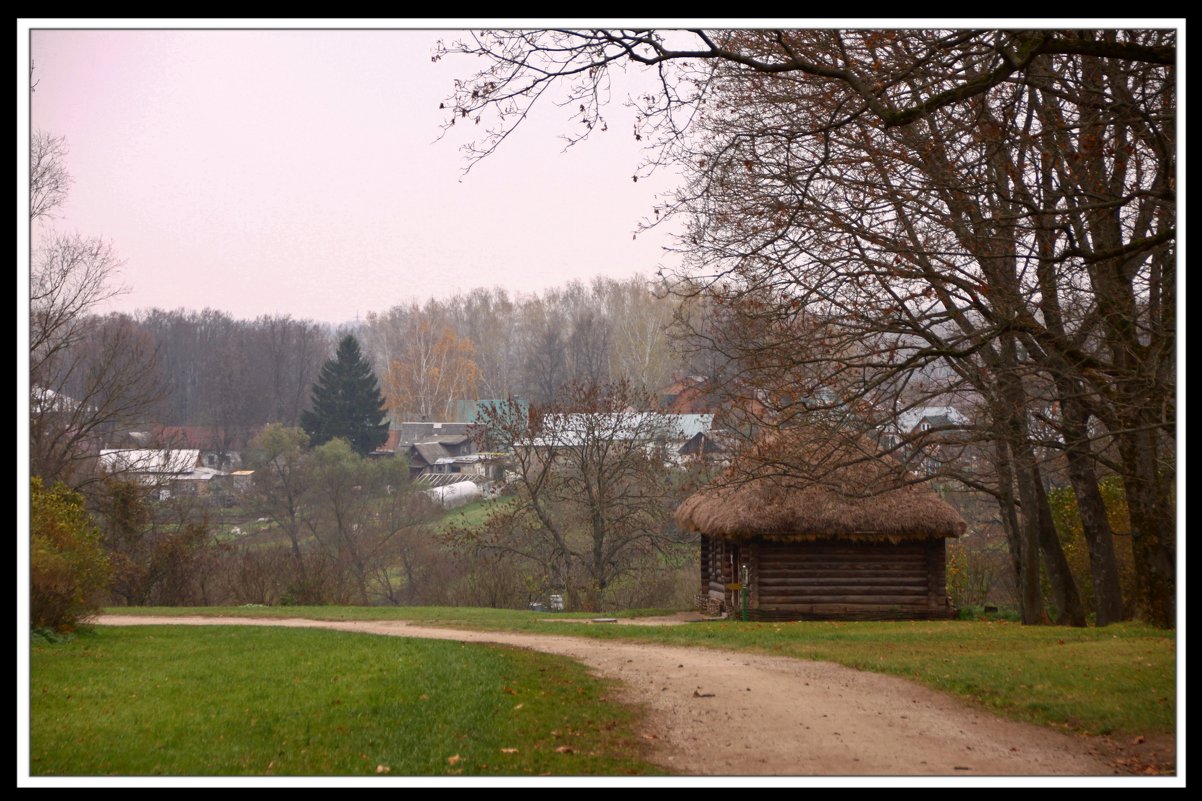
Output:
x=49 y=181
x=545 y=363
x=363 y=512
x=945 y=196
x=294 y=352
x=487 y=318
x=235 y=374
x=594 y=493
x=281 y=486
x=573 y=67
x=432 y=368
x=88 y=374
x=642 y=314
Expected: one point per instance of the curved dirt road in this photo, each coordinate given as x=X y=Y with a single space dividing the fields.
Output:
x=728 y=713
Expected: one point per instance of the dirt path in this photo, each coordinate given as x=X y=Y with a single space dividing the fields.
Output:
x=728 y=713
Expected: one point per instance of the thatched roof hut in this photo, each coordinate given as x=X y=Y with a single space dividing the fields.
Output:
x=812 y=523
x=798 y=486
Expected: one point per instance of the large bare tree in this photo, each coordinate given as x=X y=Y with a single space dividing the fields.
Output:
x=88 y=374
x=1000 y=203
x=593 y=490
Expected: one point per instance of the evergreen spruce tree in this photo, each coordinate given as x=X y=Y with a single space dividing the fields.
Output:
x=347 y=403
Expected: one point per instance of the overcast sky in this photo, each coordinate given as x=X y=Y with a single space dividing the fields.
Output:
x=298 y=172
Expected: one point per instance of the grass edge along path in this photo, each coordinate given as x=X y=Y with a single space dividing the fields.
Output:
x=250 y=701
x=1117 y=681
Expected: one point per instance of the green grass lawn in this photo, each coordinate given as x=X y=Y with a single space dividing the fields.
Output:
x=1114 y=680
x=159 y=700
x=472 y=515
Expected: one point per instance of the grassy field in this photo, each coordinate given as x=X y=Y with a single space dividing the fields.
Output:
x=239 y=523
x=472 y=515
x=157 y=700
x=1116 y=680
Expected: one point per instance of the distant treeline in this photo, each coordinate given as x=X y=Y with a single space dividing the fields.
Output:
x=216 y=370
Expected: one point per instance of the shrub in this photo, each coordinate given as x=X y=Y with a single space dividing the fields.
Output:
x=975 y=567
x=68 y=569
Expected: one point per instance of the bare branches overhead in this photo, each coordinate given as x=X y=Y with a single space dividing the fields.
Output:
x=865 y=205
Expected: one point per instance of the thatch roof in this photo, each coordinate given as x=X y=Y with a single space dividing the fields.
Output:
x=807 y=484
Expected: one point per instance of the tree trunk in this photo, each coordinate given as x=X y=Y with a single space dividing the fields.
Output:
x=1007 y=509
x=1095 y=525
x=1009 y=411
x=1039 y=533
x=1070 y=610
x=1152 y=528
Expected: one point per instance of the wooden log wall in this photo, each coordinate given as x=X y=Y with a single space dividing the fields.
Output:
x=840 y=579
x=937 y=569
x=719 y=571
x=715 y=566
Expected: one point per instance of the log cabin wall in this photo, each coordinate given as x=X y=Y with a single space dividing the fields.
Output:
x=715 y=570
x=711 y=599
x=838 y=579
x=937 y=569
x=720 y=569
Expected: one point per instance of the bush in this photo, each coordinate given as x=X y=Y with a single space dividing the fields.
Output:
x=975 y=567
x=68 y=569
x=161 y=552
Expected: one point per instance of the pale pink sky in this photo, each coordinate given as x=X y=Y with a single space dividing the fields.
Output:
x=289 y=171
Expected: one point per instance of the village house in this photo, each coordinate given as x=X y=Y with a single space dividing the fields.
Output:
x=441 y=454
x=711 y=447
x=221 y=447
x=667 y=431
x=171 y=471
x=688 y=395
x=925 y=437
x=430 y=448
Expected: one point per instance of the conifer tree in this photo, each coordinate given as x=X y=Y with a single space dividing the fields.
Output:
x=346 y=402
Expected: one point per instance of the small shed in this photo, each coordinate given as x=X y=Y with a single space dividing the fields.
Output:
x=811 y=526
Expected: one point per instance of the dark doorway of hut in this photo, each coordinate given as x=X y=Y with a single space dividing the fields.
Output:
x=736 y=584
